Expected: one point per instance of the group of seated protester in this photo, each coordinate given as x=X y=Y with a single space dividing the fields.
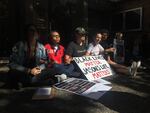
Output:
x=33 y=62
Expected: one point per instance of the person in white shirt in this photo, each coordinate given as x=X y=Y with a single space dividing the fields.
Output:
x=95 y=48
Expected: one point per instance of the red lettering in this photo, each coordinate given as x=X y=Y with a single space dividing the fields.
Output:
x=88 y=64
x=96 y=75
x=96 y=62
x=91 y=63
x=100 y=74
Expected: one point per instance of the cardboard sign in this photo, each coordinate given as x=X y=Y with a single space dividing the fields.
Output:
x=93 y=67
x=119 y=54
x=83 y=87
x=75 y=85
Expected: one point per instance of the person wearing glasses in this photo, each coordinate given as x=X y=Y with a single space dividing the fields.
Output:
x=54 y=50
x=55 y=53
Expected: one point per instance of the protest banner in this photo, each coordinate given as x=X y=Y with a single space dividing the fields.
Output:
x=83 y=87
x=93 y=67
x=119 y=54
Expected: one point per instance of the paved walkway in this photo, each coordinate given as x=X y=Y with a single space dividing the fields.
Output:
x=127 y=95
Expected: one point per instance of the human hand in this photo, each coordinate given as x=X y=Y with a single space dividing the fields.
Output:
x=112 y=49
x=35 y=71
x=42 y=61
x=67 y=59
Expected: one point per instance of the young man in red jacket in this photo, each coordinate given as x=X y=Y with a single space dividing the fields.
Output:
x=55 y=51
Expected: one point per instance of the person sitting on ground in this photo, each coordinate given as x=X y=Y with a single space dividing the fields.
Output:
x=28 y=60
x=106 y=44
x=55 y=51
x=95 y=48
x=118 y=43
x=76 y=48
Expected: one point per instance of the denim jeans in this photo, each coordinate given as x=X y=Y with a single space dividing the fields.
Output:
x=68 y=69
x=46 y=74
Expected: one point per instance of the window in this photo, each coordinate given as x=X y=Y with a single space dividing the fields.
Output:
x=128 y=20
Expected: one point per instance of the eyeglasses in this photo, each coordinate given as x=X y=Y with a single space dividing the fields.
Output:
x=56 y=36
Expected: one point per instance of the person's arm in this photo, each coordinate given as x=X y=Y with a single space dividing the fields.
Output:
x=41 y=58
x=67 y=59
x=87 y=53
x=17 y=58
x=89 y=49
x=68 y=54
x=110 y=49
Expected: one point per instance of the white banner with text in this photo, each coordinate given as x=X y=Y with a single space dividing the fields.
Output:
x=93 y=67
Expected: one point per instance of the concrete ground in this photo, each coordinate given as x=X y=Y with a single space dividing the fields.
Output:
x=128 y=95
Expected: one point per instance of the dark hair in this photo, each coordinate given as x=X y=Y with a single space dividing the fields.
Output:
x=30 y=28
x=80 y=30
x=50 y=34
x=104 y=31
x=95 y=34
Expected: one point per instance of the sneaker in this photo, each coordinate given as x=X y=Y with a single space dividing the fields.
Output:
x=61 y=77
x=133 y=69
x=138 y=64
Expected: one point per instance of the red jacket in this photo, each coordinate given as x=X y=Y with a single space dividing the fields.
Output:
x=55 y=56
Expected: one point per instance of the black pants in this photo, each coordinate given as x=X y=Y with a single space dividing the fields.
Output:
x=16 y=77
